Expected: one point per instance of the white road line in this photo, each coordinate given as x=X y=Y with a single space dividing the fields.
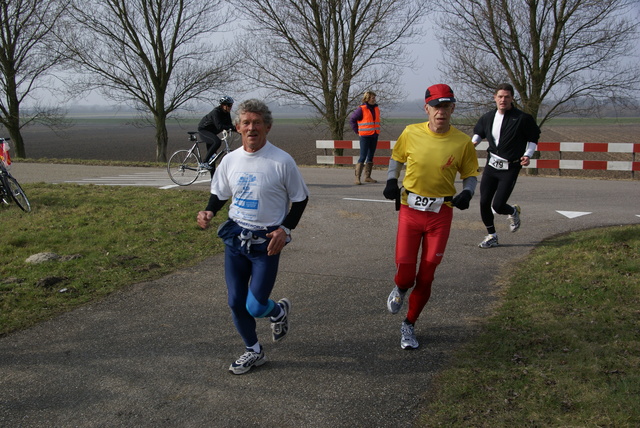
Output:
x=368 y=200
x=171 y=186
x=155 y=179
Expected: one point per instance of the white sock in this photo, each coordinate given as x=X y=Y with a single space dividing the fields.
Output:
x=277 y=317
x=255 y=348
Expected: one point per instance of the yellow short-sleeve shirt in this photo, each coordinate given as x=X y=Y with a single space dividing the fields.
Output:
x=433 y=160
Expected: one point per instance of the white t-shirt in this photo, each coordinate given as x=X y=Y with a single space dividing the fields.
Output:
x=497 y=125
x=261 y=186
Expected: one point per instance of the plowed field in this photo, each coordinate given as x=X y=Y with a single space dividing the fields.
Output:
x=111 y=140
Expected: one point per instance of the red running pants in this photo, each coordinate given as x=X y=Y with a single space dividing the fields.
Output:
x=418 y=229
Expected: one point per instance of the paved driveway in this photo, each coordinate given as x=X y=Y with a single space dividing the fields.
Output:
x=156 y=353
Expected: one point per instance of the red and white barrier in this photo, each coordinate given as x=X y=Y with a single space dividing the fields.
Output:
x=348 y=144
x=632 y=148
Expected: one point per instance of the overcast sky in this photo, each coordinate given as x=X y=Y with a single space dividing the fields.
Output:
x=428 y=56
x=414 y=82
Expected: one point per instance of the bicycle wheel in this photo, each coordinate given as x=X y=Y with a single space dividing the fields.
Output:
x=5 y=199
x=183 y=167
x=17 y=193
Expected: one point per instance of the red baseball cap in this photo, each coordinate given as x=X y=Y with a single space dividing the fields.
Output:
x=439 y=93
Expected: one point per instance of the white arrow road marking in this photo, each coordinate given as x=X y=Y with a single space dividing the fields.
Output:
x=572 y=214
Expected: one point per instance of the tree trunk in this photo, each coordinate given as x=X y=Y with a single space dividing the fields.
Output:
x=12 y=124
x=162 y=138
x=337 y=133
x=17 y=143
x=12 y=121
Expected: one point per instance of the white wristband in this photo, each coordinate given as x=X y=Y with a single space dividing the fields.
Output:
x=531 y=149
x=286 y=230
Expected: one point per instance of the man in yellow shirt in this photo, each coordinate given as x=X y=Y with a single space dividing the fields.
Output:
x=434 y=153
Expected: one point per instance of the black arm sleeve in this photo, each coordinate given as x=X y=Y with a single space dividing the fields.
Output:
x=532 y=130
x=215 y=204
x=292 y=219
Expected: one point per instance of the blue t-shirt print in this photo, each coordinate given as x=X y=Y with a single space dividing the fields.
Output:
x=247 y=199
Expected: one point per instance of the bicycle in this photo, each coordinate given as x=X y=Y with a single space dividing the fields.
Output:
x=185 y=166
x=9 y=187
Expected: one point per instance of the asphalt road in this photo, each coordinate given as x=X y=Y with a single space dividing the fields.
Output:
x=156 y=353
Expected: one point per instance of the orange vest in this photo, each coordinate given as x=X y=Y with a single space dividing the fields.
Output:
x=369 y=125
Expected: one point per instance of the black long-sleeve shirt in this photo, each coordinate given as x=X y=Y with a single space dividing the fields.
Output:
x=518 y=128
x=216 y=121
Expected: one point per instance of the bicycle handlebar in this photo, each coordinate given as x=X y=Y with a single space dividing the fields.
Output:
x=193 y=135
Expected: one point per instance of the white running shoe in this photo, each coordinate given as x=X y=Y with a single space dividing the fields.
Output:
x=408 y=340
x=280 y=328
x=514 y=219
x=248 y=360
x=395 y=300
x=489 y=241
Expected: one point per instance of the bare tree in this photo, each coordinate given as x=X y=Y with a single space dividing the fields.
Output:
x=326 y=53
x=27 y=60
x=154 y=55
x=560 y=55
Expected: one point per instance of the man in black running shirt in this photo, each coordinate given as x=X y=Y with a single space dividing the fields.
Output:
x=513 y=137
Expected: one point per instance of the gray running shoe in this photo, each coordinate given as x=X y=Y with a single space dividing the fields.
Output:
x=514 y=219
x=489 y=241
x=395 y=300
x=206 y=166
x=248 y=360
x=280 y=328
x=408 y=340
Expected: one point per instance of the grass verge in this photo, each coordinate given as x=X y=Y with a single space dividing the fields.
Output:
x=108 y=237
x=562 y=349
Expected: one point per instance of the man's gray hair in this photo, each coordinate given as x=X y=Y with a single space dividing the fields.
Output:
x=254 y=106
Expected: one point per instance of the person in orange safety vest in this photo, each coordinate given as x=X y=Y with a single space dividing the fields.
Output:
x=365 y=121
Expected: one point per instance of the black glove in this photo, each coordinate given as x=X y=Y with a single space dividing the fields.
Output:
x=391 y=191
x=461 y=200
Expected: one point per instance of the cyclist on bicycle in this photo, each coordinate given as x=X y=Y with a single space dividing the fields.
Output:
x=216 y=121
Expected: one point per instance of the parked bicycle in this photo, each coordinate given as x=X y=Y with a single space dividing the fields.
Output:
x=185 y=166
x=9 y=187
